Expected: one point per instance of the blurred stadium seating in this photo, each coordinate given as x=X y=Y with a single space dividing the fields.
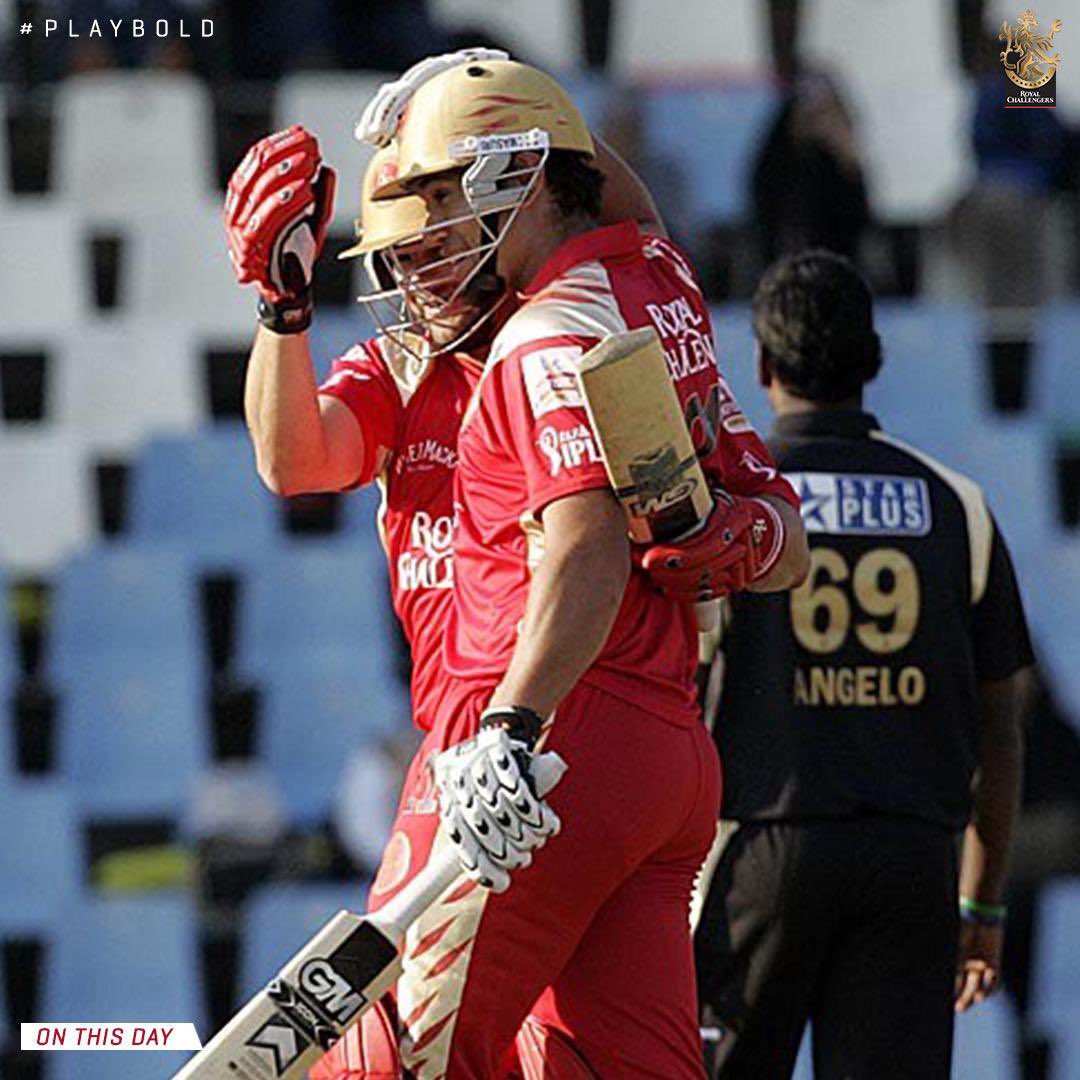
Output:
x=121 y=634
x=316 y=703
x=330 y=105
x=711 y=137
x=202 y=491
x=46 y=511
x=39 y=859
x=919 y=156
x=125 y=959
x=738 y=50
x=43 y=274
x=281 y=918
x=545 y=33
x=126 y=145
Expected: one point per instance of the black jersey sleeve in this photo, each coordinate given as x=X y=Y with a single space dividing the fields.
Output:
x=999 y=627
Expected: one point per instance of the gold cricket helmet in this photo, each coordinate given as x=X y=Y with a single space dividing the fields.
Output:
x=387 y=221
x=477 y=110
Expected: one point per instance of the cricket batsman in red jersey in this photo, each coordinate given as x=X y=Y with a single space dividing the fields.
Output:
x=554 y=635
x=390 y=409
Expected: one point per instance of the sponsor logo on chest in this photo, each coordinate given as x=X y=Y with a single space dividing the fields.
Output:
x=685 y=335
x=429 y=562
x=426 y=454
x=863 y=504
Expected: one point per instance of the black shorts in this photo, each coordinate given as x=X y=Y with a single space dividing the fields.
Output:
x=851 y=924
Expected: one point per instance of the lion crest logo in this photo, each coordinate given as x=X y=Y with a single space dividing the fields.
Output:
x=1026 y=55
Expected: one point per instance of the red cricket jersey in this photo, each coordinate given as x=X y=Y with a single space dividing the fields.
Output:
x=526 y=441
x=410 y=412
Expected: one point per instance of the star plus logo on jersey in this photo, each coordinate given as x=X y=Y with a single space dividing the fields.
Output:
x=568 y=449
x=429 y=565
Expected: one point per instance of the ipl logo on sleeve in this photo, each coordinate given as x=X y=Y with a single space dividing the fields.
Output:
x=1029 y=66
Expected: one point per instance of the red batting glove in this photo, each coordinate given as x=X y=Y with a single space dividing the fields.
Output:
x=741 y=541
x=278 y=205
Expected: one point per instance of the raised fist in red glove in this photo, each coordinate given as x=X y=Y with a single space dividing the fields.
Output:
x=279 y=202
x=740 y=542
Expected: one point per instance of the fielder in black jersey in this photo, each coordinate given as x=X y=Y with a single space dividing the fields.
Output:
x=867 y=720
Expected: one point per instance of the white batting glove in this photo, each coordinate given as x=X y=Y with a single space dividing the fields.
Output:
x=383 y=112
x=488 y=808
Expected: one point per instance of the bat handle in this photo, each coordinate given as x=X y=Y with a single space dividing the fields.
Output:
x=707 y=613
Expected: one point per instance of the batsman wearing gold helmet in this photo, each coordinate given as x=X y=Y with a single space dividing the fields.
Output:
x=389 y=410
x=582 y=955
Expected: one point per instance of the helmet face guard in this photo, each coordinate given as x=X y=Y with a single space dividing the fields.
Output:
x=423 y=303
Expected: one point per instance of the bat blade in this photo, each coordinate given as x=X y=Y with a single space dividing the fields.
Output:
x=643 y=437
x=333 y=980
x=289 y=1025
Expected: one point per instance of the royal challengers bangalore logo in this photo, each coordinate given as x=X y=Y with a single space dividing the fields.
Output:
x=1028 y=62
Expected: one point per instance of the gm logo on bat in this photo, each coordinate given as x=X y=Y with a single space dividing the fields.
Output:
x=319 y=985
x=328 y=988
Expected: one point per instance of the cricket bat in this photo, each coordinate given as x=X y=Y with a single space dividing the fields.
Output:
x=646 y=445
x=333 y=980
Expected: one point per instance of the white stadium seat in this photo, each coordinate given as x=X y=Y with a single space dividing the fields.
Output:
x=699 y=37
x=545 y=33
x=178 y=269
x=901 y=72
x=43 y=277
x=117 y=382
x=46 y=512
x=329 y=106
x=131 y=142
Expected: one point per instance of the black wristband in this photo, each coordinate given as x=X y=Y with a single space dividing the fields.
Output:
x=291 y=316
x=517 y=721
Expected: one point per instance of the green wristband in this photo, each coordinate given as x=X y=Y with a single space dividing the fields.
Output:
x=983 y=914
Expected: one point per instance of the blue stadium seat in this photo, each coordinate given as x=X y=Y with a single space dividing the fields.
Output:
x=985 y=1043
x=1055 y=997
x=202 y=491
x=133 y=738
x=1056 y=381
x=359 y=518
x=335 y=331
x=39 y=858
x=711 y=135
x=1065 y=1053
x=932 y=386
x=281 y=919
x=9 y=677
x=1052 y=586
x=1012 y=461
x=125 y=959
x=593 y=95
x=315 y=593
x=317 y=706
x=141 y=601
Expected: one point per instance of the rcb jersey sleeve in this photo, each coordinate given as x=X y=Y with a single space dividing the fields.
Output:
x=361 y=381
x=999 y=628
x=739 y=459
x=542 y=416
